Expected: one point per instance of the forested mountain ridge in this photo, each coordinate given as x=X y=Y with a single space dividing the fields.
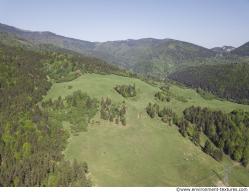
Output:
x=152 y=56
x=243 y=50
x=48 y=38
x=226 y=81
x=146 y=56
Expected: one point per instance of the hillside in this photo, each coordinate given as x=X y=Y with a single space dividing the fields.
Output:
x=73 y=119
x=146 y=56
x=145 y=152
x=243 y=50
x=152 y=56
x=48 y=38
x=31 y=141
x=226 y=81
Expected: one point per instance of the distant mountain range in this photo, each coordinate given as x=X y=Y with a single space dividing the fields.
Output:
x=147 y=56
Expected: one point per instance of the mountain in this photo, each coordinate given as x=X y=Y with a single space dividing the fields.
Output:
x=243 y=50
x=152 y=56
x=226 y=81
x=61 y=111
x=48 y=38
x=224 y=49
x=147 y=56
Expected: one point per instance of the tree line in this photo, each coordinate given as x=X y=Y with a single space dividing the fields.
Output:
x=77 y=108
x=113 y=112
x=126 y=90
x=166 y=114
x=228 y=132
x=162 y=96
x=63 y=66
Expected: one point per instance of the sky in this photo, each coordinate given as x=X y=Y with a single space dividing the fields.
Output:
x=208 y=23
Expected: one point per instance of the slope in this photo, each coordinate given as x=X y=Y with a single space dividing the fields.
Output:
x=243 y=50
x=31 y=143
x=226 y=81
x=146 y=152
x=152 y=56
x=48 y=38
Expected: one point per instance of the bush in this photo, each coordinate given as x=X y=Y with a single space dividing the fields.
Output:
x=126 y=90
x=110 y=111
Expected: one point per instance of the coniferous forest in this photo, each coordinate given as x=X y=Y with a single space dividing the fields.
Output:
x=228 y=132
x=30 y=155
x=226 y=81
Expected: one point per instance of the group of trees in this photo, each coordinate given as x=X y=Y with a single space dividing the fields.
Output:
x=31 y=142
x=188 y=130
x=126 y=90
x=70 y=174
x=193 y=132
x=210 y=150
x=77 y=109
x=66 y=66
x=166 y=114
x=162 y=96
x=113 y=112
x=229 y=132
x=152 y=109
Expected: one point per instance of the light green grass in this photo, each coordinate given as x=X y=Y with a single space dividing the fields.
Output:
x=146 y=152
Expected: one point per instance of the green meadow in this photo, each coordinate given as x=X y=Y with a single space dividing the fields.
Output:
x=145 y=152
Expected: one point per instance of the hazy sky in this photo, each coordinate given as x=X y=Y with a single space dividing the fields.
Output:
x=208 y=23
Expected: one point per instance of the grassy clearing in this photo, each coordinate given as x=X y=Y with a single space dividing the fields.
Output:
x=146 y=152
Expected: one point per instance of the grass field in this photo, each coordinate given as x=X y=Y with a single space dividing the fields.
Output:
x=146 y=152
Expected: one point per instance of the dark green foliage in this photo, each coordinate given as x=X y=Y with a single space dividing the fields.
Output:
x=70 y=174
x=217 y=154
x=196 y=137
x=183 y=126
x=205 y=94
x=208 y=147
x=77 y=109
x=31 y=143
x=226 y=81
x=63 y=66
x=166 y=114
x=162 y=96
x=228 y=132
x=245 y=158
x=165 y=88
x=243 y=50
x=110 y=111
x=126 y=90
x=152 y=109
